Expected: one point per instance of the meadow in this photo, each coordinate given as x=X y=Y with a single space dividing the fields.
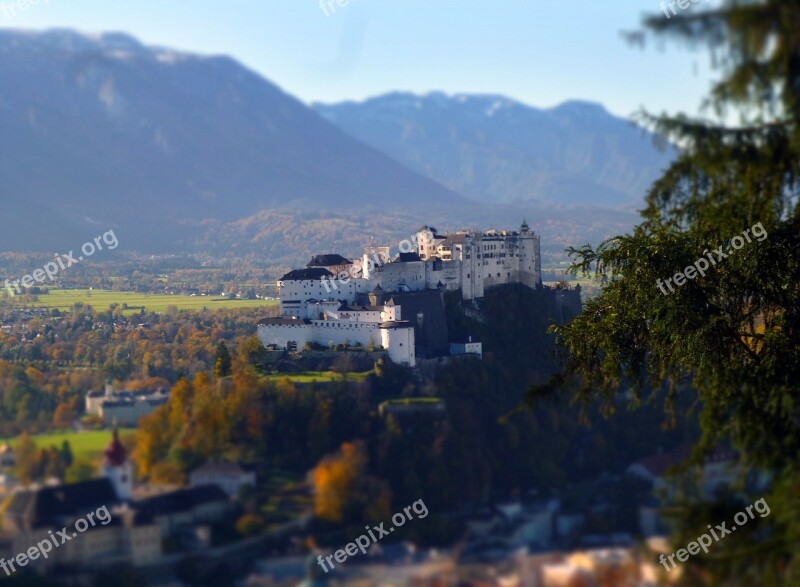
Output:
x=89 y=444
x=132 y=303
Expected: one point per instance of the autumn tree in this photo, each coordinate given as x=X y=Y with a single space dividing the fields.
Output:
x=344 y=492
x=64 y=416
x=25 y=453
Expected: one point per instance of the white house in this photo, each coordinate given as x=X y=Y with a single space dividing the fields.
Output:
x=123 y=406
x=467 y=347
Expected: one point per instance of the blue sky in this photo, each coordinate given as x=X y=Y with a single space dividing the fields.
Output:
x=540 y=52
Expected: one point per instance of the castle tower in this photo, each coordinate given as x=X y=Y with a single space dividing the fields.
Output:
x=376 y=296
x=426 y=242
x=117 y=468
x=530 y=257
x=374 y=258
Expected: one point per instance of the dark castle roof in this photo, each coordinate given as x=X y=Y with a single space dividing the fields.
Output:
x=313 y=273
x=407 y=258
x=283 y=321
x=49 y=507
x=454 y=239
x=181 y=500
x=328 y=260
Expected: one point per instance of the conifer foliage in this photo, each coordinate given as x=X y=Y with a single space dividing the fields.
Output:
x=734 y=334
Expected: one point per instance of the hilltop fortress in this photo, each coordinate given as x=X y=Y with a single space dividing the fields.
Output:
x=397 y=303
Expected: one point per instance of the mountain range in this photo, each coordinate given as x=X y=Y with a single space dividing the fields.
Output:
x=186 y=153
x=497 y=150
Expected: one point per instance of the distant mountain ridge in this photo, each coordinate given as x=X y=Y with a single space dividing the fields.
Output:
x=100 y=131
x=183 y=153
x=495 y=149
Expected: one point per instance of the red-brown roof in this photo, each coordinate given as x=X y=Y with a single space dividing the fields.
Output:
x=115 y=453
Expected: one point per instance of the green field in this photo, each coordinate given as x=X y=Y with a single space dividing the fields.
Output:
x=64 y=299
x=84 y=444
x=319 y=376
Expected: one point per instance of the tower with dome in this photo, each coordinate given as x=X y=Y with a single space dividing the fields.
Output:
x=117 y=468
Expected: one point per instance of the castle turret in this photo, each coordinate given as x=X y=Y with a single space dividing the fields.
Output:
x=530 y=257
x=426 y=242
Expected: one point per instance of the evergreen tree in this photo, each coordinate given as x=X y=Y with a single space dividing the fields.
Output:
x=67 y=458
x=734 y=330
x=222 y=364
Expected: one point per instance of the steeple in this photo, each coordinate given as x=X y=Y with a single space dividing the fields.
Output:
x=115 y=453
x=116 y=466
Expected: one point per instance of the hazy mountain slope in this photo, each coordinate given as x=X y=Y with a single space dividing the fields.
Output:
x=101 y=131
x=498 y=150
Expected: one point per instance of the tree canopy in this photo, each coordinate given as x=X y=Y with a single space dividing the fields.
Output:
x=733 y=332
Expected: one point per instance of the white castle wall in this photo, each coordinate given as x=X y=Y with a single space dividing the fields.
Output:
x=446 y=273
x=394 y=275
x=397 y=341
x=400 y=344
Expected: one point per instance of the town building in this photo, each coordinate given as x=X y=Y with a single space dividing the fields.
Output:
x=125 y=537
x=132 y=534
x=123 y=406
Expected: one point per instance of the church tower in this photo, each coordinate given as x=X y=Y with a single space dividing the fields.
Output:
x=117 y=469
